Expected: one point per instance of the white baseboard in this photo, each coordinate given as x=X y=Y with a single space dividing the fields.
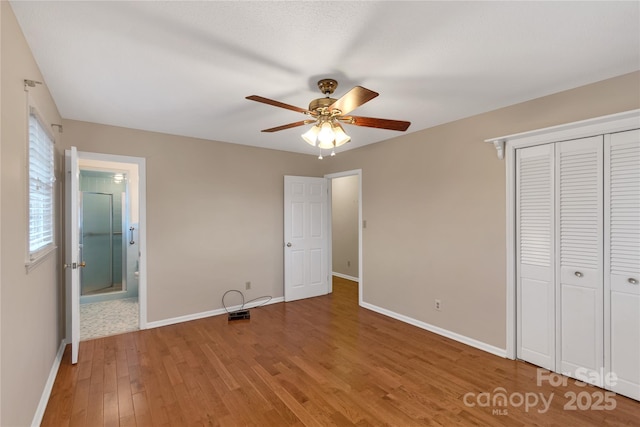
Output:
x=437 y=330
x=202 y=315
x=344 y=276
x=46 y=393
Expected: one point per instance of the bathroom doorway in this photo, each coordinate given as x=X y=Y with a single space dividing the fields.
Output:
x=110 y=205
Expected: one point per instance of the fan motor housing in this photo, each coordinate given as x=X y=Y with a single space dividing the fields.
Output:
x=320 y=103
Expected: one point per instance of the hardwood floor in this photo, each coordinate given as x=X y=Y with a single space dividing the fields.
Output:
x=317 y=362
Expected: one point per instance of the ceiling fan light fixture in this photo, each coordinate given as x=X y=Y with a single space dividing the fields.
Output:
x=328 y=135
x=311 y=136
x=327 y=113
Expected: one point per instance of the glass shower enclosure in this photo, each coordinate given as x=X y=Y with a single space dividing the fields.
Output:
x=102 y=240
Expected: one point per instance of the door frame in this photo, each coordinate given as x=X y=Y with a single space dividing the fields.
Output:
x=142 y=213
x=507 y=146
x=330 y=177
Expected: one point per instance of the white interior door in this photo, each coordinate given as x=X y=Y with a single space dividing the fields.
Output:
x=579 y=230
x=535 y=255
x=72 y=249
x=622 y=262
x=305 y=237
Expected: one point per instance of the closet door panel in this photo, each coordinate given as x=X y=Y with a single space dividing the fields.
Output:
x=535 y=254
x=622 y=256
x=580 y=320
x=579 y=231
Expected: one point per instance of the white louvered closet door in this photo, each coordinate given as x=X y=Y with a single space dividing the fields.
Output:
x=622 y=261
x=579 y=234
x=535 y=255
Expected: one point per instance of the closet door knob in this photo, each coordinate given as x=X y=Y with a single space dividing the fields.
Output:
x=633 y=281
x=578 y=274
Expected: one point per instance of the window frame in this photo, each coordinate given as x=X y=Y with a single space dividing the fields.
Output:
x=35 y=257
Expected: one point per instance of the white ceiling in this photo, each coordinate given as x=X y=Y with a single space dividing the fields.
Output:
x=185 y=67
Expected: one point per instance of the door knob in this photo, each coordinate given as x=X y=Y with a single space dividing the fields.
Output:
x=633 y=281
x=73 y=265
x=289 y=244
x=578 y=274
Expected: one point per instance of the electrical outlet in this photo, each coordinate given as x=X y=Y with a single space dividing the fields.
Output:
x=348 y=263
x=247 y=285
x=438 y=305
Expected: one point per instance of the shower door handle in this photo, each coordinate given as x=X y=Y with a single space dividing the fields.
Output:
x=131 y=241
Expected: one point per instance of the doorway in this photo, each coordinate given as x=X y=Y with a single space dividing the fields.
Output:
x=345 y=246
x=111 y=206
x=308 y=215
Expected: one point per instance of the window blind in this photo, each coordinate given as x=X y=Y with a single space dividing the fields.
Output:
x=41 y=188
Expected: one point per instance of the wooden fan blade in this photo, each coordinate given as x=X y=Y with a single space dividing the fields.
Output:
x=277 y=104
x=289 y=126
x=371 y=122
x=353 y=99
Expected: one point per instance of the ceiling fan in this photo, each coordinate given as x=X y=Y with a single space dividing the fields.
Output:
x=328 y=114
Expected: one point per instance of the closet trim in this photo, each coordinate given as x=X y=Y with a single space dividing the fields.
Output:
x=507 y=146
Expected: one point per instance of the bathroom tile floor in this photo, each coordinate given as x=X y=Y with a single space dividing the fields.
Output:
x=101 y=319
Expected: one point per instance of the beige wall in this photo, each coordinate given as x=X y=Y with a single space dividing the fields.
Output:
x=344 y=225
x=214 y=214
x=31 y=307
x=434 y=202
